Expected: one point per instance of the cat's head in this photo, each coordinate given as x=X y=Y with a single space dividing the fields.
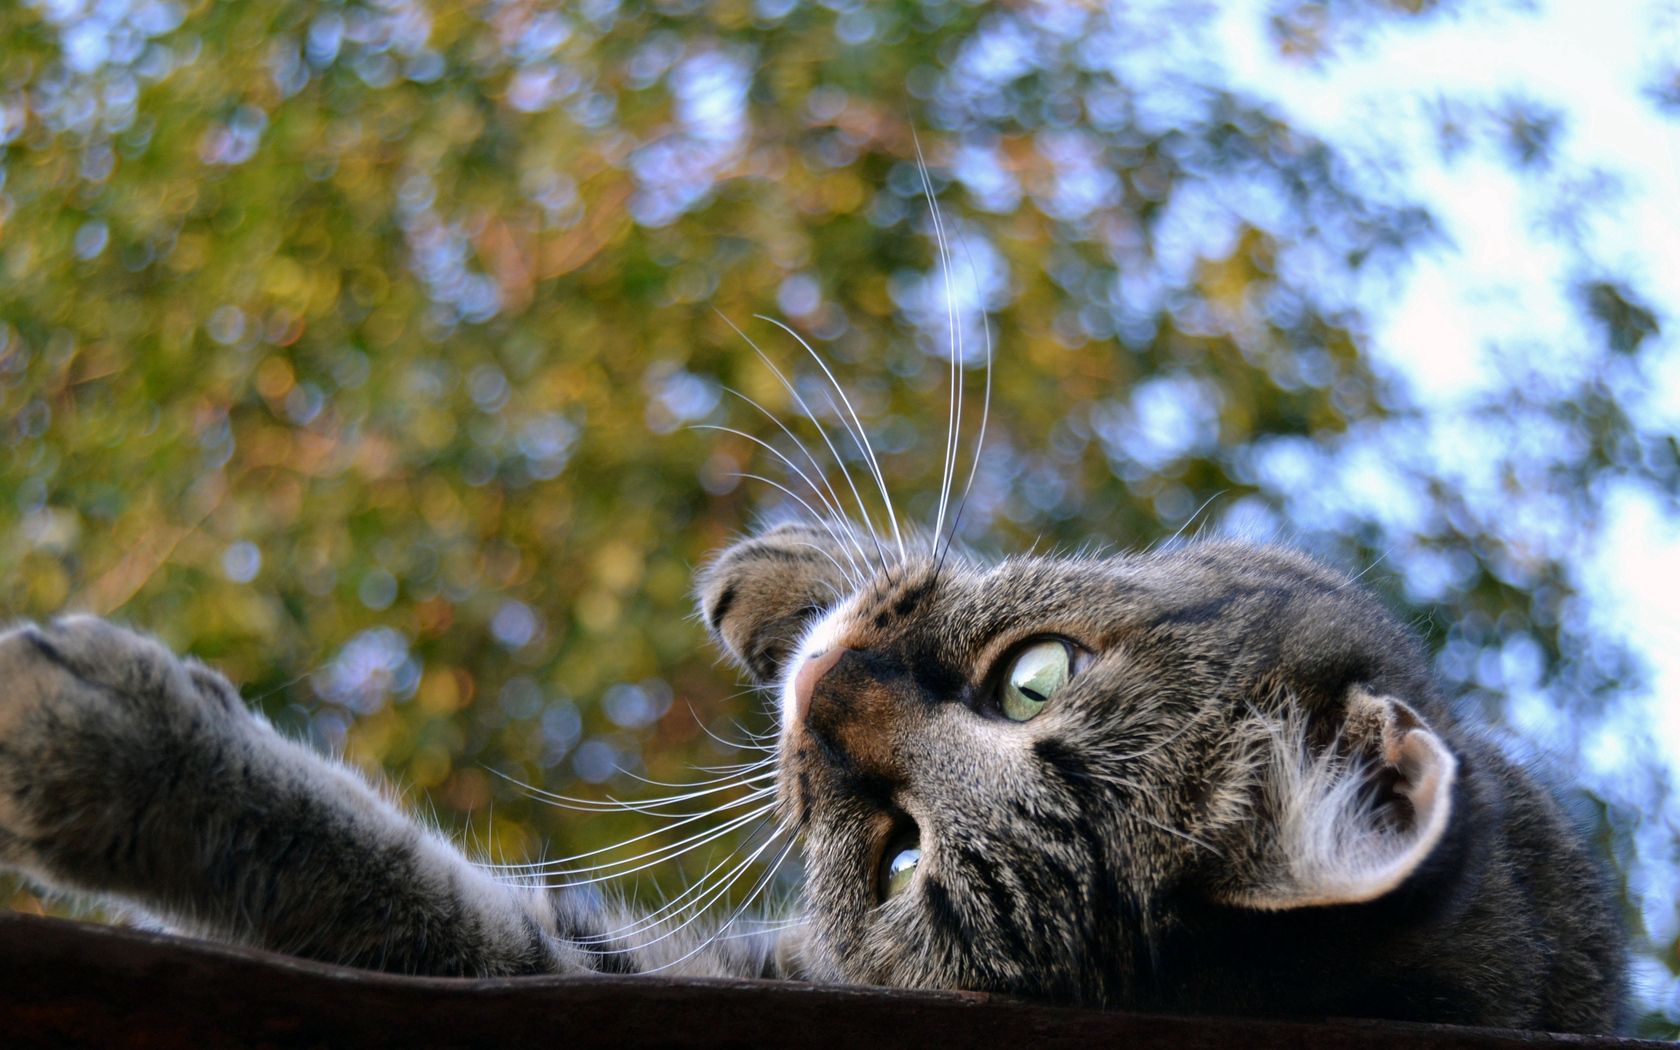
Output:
x=1078 y=747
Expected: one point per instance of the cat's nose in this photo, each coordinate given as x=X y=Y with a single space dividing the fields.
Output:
x=805 y=682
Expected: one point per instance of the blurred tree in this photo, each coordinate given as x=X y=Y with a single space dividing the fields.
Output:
x=356 y=347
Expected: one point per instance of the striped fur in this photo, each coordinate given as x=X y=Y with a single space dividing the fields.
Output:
x=1249 y=799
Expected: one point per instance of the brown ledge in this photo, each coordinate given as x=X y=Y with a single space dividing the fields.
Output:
x=75 y=984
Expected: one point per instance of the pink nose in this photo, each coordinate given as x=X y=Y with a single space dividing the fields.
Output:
x=809 y=675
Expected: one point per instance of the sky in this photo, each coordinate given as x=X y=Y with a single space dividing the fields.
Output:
x=1496 y=281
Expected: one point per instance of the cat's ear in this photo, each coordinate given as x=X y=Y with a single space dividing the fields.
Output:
x=1354 y=820
x=758 y=597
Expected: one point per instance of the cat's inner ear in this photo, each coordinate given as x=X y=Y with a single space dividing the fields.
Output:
x=1351 y=821
x=760 y=596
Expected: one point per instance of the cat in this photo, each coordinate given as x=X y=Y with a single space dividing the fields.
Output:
x=1210 y=779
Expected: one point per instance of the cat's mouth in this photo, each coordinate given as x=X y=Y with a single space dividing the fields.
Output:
x=900 y=858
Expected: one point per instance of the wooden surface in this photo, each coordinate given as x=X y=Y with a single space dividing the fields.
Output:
x=75 y=984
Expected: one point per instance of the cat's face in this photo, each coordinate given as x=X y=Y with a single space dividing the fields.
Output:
x=1007 y=775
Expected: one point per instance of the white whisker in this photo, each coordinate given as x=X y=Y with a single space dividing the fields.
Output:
x=985 y=404
x=756 y=795
x=591 y=805
x=753 y=893
x=676 y=907
x=850 y=576
x=822 y=432
x=557 y=865
x=858 y=435
x=834 y=511
x=835 y=501
x=953 y=414
x=653 y=857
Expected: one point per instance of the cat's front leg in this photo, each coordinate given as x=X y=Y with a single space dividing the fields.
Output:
x=126 y=771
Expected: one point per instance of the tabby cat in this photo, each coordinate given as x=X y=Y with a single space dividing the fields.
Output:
x=1212 y=779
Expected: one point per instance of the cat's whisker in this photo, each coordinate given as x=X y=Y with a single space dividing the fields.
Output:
x=703 y=887
x=736 y=876
x=752 y=894
x=672 y=821
x=721 y=778
x=762 y=927
x=650 y=858
x=754 y=741
x=572 y=877
x=985 y=411
x=725 y=769
x=283 y=686
x=953 y=414
x=859 y=436
x=1378 y=560
x=851 y=575
x=655 y=807
x=1162 y=545
x=822 y=431
x=610 y=805
x=558 y=866
x=835 y=501
x=834 y=512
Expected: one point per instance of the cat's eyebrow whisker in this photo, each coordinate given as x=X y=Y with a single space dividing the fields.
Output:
x=835 y=501
x=752 y=894
x=833 y=591
x=1162 y=545
x=1179 y=832
x=826 y=520
x=858 y=435
x=953 y=413
x=719 y=933
x=822 y=432
x=1158 y=745
x=833 y=511
x=985 y=410
x=851 y=575
x=693 y=903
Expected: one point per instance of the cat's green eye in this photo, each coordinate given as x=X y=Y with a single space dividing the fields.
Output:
x=899 y=861
x=1036 y=673
x=901 y=868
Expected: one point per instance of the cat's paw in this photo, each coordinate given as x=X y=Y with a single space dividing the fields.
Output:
x=81 y=700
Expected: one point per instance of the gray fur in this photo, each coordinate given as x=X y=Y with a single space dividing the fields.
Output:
x=1249 y=799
